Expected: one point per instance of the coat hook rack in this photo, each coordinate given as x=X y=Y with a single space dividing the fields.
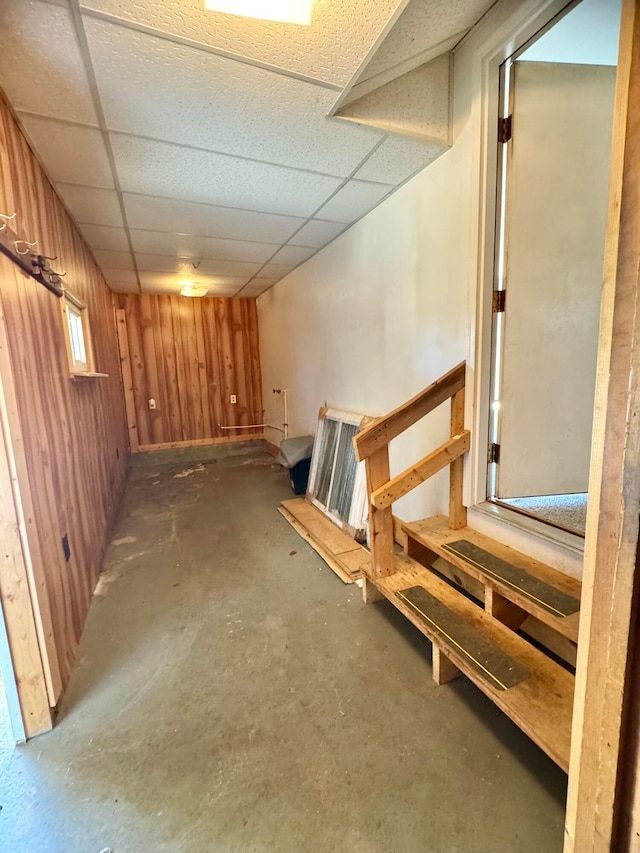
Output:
x=20 y=251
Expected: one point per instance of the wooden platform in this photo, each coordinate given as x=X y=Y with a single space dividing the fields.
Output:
x=533 y=587
x=541 y=704
x=341 y=553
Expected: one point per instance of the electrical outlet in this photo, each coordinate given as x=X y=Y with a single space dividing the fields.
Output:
x=152 y=403
x=234 y=399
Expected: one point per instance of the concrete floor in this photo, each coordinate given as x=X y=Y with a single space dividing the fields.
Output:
x=232 y=695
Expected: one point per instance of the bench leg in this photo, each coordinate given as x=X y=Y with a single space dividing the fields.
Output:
x=370 y=593
x=443 y=670
x=503 y=610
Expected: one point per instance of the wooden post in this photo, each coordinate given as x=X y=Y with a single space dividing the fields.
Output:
x=443 y=669
x=370 y=593
x=503 y=610
x=127 y=379
x=603 y=802
x=457 y=510
x=380 y=520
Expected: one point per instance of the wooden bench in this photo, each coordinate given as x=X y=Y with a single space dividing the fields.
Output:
x=540 y=704
x=532 y=588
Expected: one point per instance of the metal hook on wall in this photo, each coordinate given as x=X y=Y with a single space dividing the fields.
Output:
x=7 y=219
x=25 y=243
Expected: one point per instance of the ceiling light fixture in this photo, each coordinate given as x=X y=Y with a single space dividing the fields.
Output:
x=286 y=11
x=190 y=289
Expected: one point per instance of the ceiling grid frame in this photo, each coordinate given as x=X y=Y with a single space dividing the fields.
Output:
x=261 y=239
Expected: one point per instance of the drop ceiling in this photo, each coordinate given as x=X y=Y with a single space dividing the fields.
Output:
x=200 y=146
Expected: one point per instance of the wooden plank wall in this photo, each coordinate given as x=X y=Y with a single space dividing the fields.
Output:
x=72 y=434
x=190 y=356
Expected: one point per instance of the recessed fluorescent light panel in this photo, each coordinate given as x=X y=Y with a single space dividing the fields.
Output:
x=286 y=11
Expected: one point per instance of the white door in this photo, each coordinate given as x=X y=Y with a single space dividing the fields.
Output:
x=555 y=219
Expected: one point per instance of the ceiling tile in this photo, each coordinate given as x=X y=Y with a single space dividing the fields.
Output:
x=192 y=246
x=114 y=260
x=164 y=263
x=276 y=270
x=69 y=152
x=126 y=276
x=354 y=200
x=155 y=88
x=332 y=49
x=317 y=233
x=398 y=158
x=257 y=286
x=262 y=281
x=158 y=214
x=162 y=169
x=293 y=255
x=40 y=38
x=122 y=286
x=105 y=237
x=91 y=205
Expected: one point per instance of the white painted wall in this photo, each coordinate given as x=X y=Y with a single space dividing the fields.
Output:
x=391 y=304
x=376 y=316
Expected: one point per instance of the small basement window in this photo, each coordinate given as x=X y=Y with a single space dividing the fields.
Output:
x=77 y=335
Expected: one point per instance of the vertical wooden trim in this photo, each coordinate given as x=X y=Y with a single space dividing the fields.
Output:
x=457 y=510
x=31 y=551
x=607 y=646
x=380 y=520
x=18 y=609
x=127 y=379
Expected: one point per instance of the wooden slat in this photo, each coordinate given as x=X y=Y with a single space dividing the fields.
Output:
x=380 y=520
x=343 y=555
x=73 y=434
x=190 y=355
x=435 y=461
x=457 y=509
x=383 y=430
x=127 y=380
x=541 y=705
x=434 y=533
x=603 y=800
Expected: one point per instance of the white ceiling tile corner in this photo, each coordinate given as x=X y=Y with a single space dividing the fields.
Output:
x=90 y=205
x=354 y=200
x=398 y=158
x=71 y=153
x=105 y=237
x=39 y=38
x=114 y=260
x=316 y=233
x=293 y=255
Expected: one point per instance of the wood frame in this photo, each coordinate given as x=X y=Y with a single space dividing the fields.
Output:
x=23 y=599
x=371 y=445
x=81 y=310
x=603 y=775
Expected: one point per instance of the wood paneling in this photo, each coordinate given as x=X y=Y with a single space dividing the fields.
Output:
x=70 y=437
x=190 y=356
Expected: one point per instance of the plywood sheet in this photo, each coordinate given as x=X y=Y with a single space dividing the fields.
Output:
x=346 y=557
